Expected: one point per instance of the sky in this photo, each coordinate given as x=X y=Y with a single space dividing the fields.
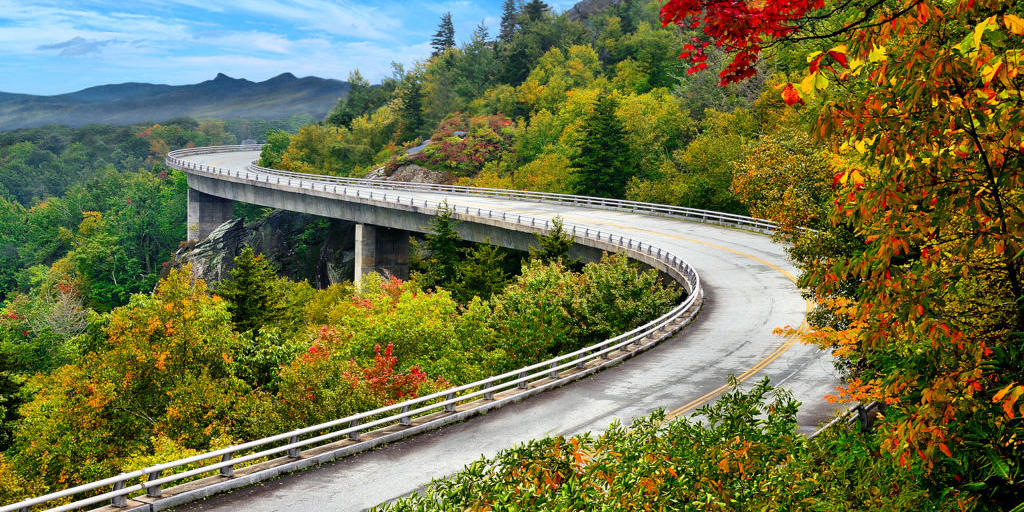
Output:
x=53 y=47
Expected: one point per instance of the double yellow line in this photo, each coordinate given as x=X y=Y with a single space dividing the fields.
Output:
x=762 y=364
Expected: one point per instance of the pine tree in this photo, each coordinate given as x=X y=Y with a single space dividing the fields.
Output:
x=481 y=274
x=443 y=244
x=411 y=113
x=444 y=38
x=481 y=34
x=354 y=104
x=251 y=294
x=603 y=162
x=535 y=10
x=554 y=246
x=509 y=19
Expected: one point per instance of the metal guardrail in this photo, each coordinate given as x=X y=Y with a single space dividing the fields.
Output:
x=694 y=214
x=431 y=411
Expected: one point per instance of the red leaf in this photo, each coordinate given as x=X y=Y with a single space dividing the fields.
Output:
x=839 y=57
x=816 y=63
x=790 y=95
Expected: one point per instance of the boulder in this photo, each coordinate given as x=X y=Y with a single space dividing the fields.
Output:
x=299 y=246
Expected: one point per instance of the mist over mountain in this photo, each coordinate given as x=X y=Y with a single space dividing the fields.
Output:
x=222 y=97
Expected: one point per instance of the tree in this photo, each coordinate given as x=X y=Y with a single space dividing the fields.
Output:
x=442 y=267
x=534 y=10
x=933 y=299
x=444 y=38
x=277 y=144
x=554 y=245
x=509 y=20
x=251 y=292
x=359 y=100
x=411 y=112
x=603 y=161
x=481 y=273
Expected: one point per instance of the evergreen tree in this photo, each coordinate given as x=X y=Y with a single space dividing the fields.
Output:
x=11 y=397
x=554 y=246
x=535 y=10
x=509 y=18
x=481 y=274
x=251 y=294
x=443 y=244
x=481 y=34
x=444 y=38
x=411 y=113
x=358 y=101
x=603 y=162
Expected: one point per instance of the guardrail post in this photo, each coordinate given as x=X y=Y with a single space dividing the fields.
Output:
x=581 y=362
x=227 y=471
x=489 y=395
x=553 y=373
x=522 y=385
x=405 y=420
x=354 y=435
x=450 y=407
x=294 y=452
x=154 y=491
x=119 y=501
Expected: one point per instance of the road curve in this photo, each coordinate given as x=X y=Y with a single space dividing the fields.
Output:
x=749 y=290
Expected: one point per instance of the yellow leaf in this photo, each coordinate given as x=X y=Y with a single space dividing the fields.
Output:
x=807 y=84
x=1014 y=23
x=980 y=29
x=877 y=54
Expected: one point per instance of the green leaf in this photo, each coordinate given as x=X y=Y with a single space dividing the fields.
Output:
x=999 y=466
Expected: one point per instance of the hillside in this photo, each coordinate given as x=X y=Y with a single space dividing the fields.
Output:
x=223 y=97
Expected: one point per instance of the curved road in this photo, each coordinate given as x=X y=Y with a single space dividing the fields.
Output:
x=749 y=290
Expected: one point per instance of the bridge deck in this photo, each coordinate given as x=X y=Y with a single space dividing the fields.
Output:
x=749 y=289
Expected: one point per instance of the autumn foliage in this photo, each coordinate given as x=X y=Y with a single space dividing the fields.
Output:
x=929 y=310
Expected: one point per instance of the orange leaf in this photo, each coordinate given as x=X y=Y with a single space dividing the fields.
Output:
x=945 y=449
x=790 y=96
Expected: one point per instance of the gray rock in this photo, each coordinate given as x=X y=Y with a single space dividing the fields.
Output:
x=587 y=8
x=419 y=174
x=299 y=246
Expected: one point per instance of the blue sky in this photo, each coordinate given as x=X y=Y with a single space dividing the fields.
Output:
x=53 y=47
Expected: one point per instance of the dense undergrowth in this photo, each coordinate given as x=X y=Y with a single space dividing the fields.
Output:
x=186 y=368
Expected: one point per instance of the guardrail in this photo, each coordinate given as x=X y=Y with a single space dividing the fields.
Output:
x=296 y=449
x=694 y=214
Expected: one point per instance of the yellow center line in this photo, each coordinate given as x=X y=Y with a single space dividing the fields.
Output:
x=762 y=364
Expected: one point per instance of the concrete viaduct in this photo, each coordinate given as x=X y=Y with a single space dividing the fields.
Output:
x=740 y=280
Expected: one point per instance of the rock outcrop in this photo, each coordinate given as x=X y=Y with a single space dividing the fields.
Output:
x=300 y=246
x=587 y=8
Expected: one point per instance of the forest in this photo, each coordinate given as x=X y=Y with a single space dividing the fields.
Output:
x=892 y=129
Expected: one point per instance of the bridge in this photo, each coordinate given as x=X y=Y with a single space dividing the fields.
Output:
x=737 y=278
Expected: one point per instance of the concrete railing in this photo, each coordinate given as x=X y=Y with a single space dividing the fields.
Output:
x=261 y=459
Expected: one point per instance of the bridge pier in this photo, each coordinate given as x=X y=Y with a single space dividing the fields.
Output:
x=382 y=250
x=205 y=213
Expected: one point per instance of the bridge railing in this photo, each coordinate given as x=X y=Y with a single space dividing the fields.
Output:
x=433 y=410
x=695 y=214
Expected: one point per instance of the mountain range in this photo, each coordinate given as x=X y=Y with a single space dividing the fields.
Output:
x=220 y=98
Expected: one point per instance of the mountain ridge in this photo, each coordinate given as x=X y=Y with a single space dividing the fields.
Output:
x=221 y=97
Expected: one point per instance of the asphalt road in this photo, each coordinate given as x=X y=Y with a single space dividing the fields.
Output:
x=749 y=289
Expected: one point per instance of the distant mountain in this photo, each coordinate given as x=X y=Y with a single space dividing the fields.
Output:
x=221 y=98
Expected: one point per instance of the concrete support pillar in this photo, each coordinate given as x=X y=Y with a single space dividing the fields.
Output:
x=381 y=250
x=205 y=213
